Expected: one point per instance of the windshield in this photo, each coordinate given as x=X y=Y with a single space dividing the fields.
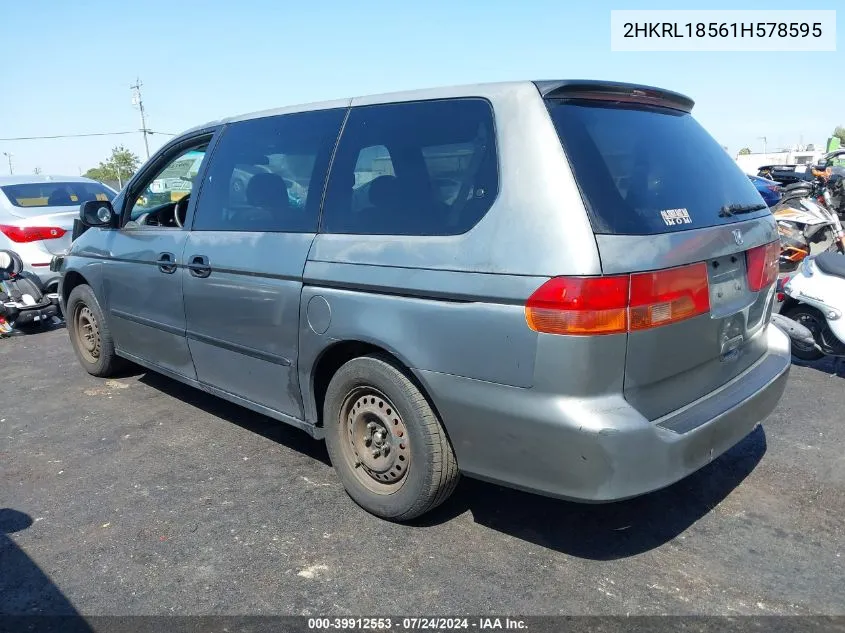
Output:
x=56 y=194
x=645 y=170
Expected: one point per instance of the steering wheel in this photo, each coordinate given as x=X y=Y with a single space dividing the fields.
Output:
x=180 y=211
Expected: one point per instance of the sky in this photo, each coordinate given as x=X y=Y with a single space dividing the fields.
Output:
x=67 y=66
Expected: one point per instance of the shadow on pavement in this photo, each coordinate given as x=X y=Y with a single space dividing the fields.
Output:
x=592 y=531
x=274 y=430
x=605 y=531
x=25 y=590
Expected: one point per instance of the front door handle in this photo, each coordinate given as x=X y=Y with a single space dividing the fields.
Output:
x=199 y=266
x=167 y=263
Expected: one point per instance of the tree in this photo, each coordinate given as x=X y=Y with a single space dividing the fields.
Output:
x=840 y=132
x=36 y=171
x=120 y=167
x=744 y=151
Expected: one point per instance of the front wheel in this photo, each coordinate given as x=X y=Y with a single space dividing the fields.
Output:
x=90 y=334
x=814 y=321
x=385 y=441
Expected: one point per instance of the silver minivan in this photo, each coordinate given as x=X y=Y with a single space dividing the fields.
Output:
x=525 y=282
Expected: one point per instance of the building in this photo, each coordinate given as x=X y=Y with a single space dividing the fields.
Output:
x=798 y=155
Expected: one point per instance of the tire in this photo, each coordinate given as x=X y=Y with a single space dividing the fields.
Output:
x=814 y=321
x=412 y=476
x=95 y=350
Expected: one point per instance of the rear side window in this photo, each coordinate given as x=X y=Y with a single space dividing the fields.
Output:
x=420 y=168
x=645 y=170
x=268 y=174
x=55 y=194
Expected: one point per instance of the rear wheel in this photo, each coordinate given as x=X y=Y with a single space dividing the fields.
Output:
x=814 y=321
x=385 y=441
x=90 y=335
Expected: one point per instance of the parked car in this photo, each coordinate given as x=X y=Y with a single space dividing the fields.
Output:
x=769 y=189
x=37 y=214
x=579 y=319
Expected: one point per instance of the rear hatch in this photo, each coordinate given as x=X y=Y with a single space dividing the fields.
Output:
x=44 y=211
x=673 y=213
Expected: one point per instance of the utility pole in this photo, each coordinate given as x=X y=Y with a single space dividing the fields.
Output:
x=9 y=156
x=137 y=101
x=763 y=138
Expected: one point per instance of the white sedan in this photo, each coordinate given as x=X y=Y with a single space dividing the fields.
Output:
x=37 y=214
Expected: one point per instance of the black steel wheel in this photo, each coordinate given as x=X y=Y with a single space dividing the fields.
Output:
x=385 y=441
x=90 y=334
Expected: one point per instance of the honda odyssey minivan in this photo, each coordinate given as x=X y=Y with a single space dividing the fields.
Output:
x=513 y=281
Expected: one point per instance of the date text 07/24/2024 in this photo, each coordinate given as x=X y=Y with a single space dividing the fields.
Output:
x=415 y=623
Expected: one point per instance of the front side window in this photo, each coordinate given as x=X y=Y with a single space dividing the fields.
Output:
x=162 y=201
x=419 y=168
x=268 y=174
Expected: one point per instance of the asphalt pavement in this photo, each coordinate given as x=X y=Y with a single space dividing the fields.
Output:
x=138 y=495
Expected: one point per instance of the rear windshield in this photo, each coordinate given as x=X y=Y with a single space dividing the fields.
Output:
x=55 y=194
x=645 y=170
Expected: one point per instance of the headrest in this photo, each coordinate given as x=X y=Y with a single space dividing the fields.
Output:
x=267 y=191
x=385 y=192
x=60 y=197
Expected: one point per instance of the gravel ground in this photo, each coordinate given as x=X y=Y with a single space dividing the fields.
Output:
x=142 y=496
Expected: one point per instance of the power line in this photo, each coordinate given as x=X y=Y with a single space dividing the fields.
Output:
x=37 y=138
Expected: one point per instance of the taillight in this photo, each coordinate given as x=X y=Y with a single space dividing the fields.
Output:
x=579 y=305
x=667 y=296
x=762 y=265
x=781 y=284
x=613 y=305
x=21 y=234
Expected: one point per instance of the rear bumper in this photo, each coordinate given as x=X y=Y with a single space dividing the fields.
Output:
x=600 y=449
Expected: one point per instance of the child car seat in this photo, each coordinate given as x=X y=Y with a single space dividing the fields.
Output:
x=22 y=298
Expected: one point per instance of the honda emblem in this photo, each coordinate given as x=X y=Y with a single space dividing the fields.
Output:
x=738 y=237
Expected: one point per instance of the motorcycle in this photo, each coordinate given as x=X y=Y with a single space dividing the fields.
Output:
x=831 y=172
x=806 y=223
x=814 y=307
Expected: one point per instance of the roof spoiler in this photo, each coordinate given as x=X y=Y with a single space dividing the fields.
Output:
x=614 y=91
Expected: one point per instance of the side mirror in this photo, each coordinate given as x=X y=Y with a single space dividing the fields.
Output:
x=98 y=213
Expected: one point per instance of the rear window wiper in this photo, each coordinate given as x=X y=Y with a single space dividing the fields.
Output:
x=733 y=209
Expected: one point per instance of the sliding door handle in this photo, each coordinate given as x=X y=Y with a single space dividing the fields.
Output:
x=199 y=266
x=166 y=263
